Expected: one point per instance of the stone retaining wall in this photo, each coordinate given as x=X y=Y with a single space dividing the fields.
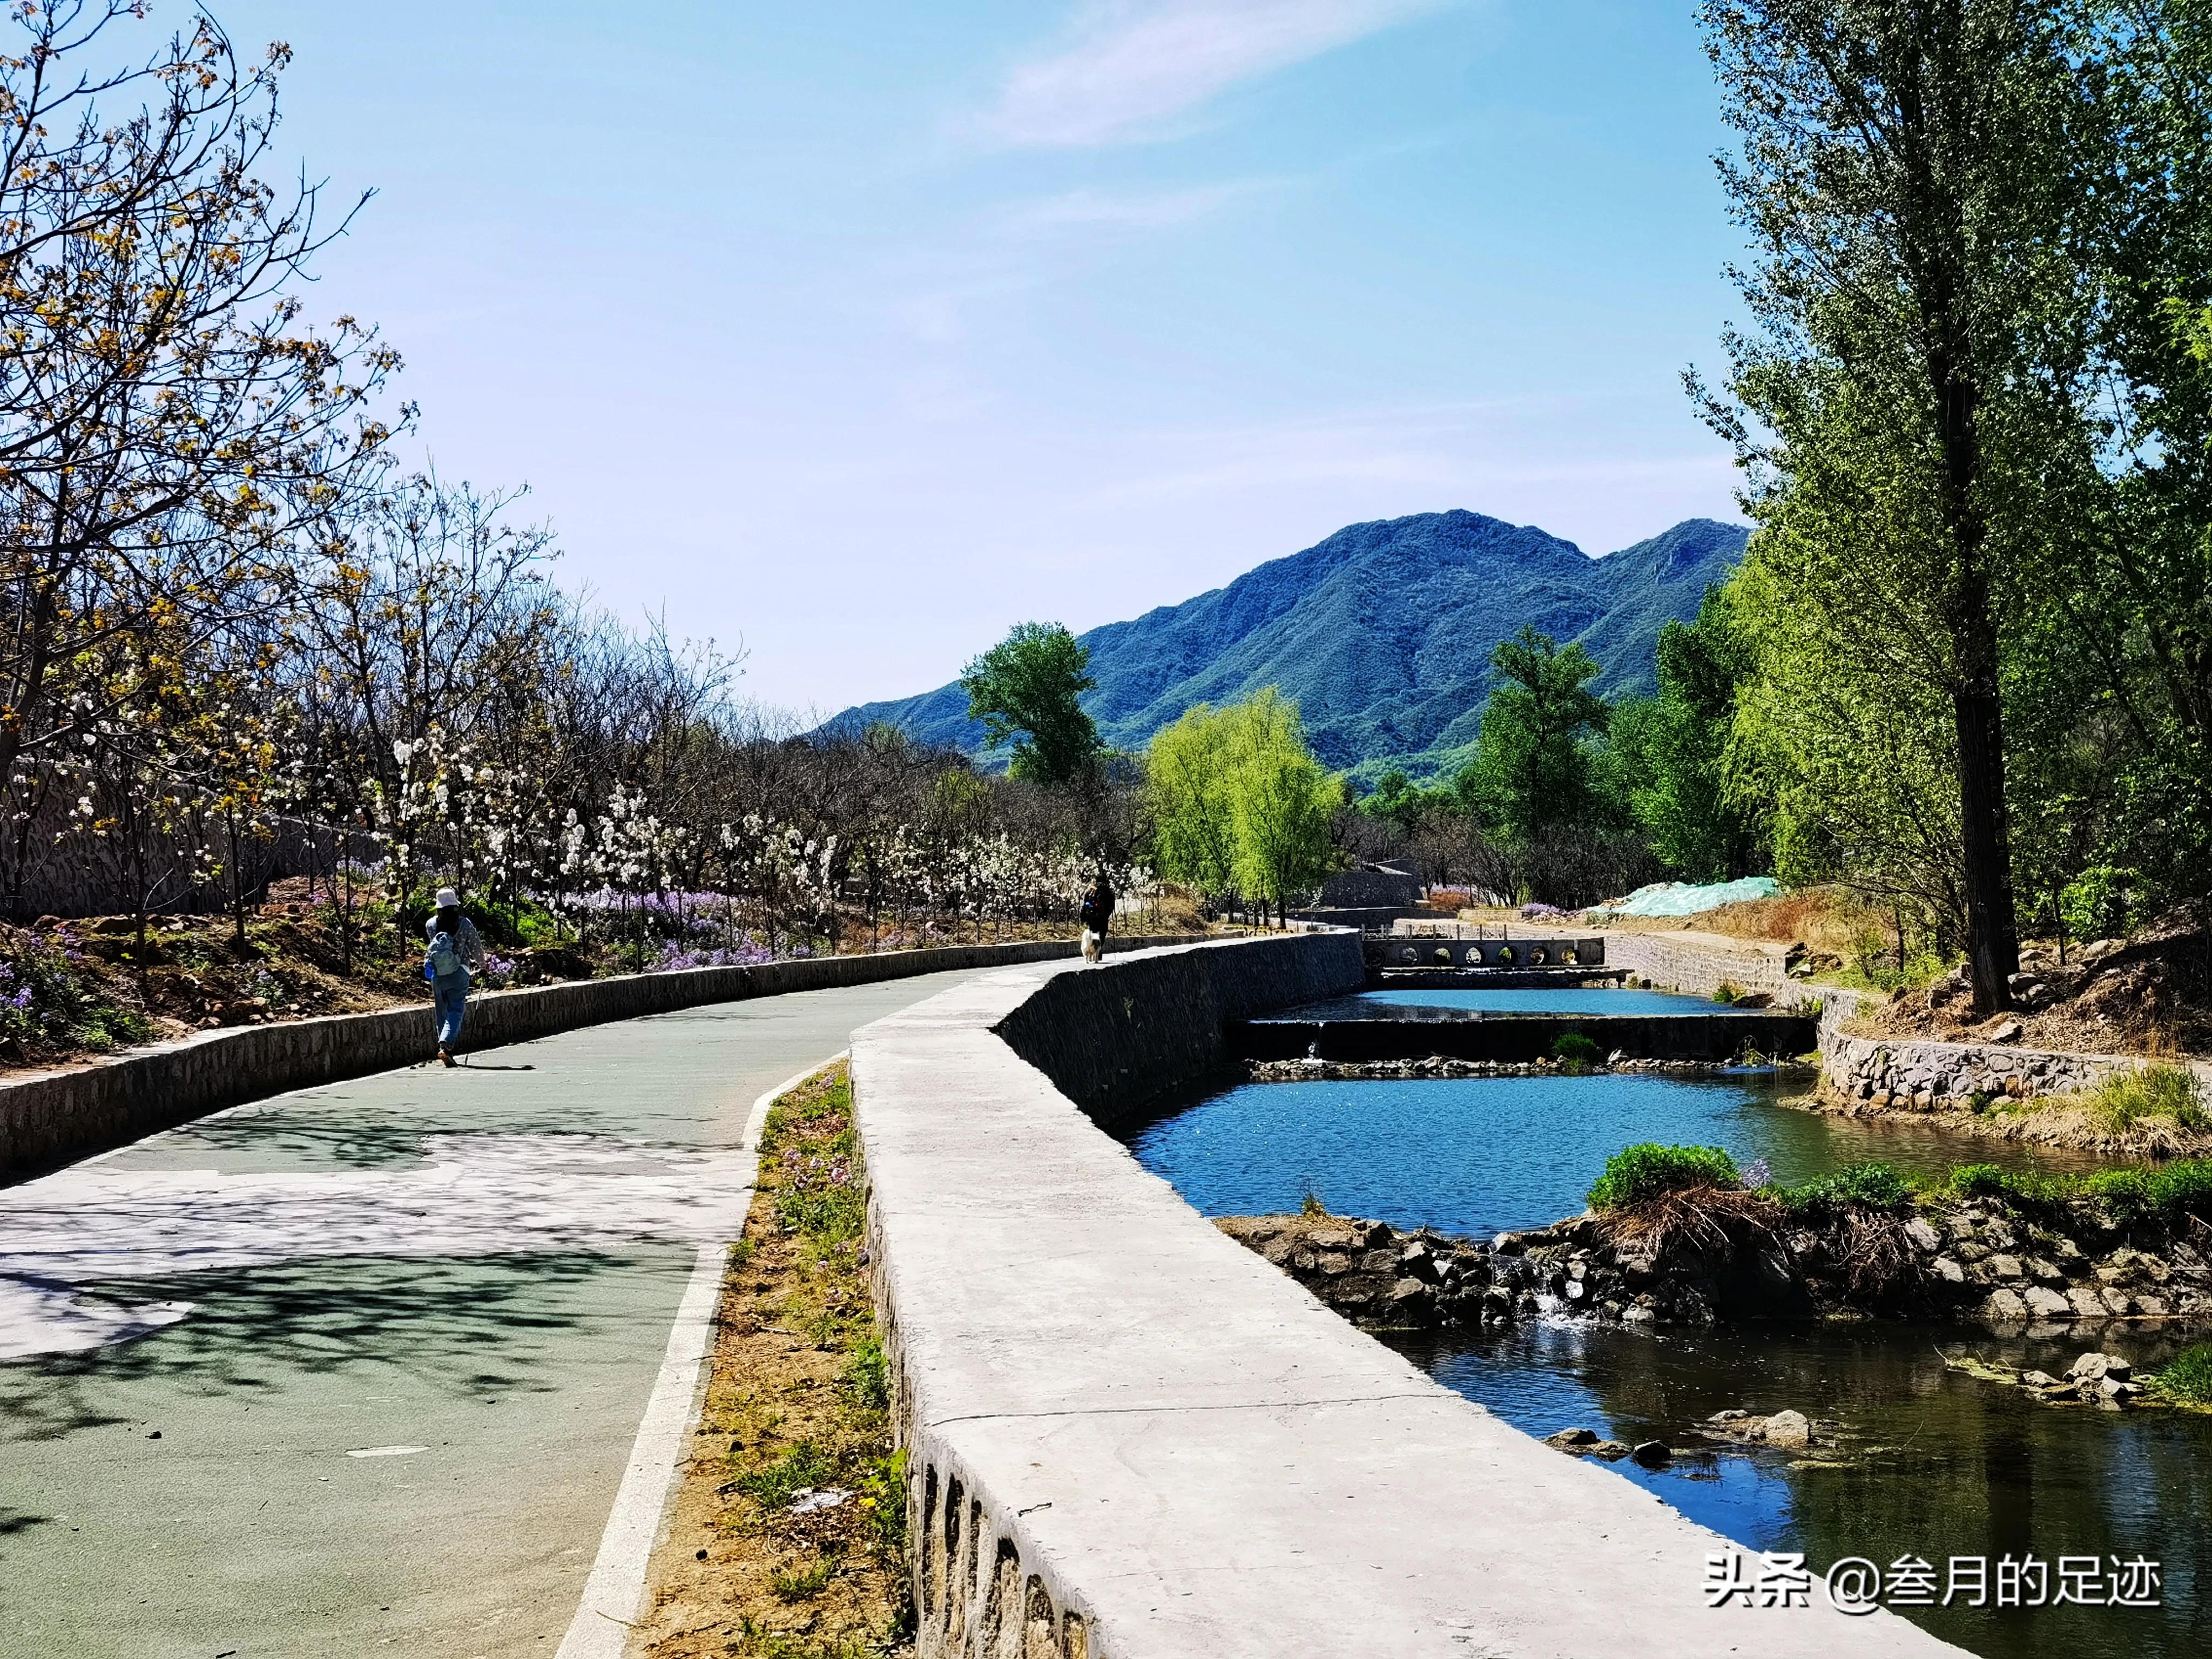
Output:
x=1698 y=963
x=52 y=1118
x=1128 y=1437
x=1940 y=1076
x=1884 y=1072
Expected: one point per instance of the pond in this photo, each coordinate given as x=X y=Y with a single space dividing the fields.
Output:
x=1932 y=1463
x=1479 y=1155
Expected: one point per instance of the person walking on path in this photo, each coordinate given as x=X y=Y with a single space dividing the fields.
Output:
x=456 y=950
x=1098 y=917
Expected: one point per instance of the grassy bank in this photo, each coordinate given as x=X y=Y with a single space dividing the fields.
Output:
x=788 y=1538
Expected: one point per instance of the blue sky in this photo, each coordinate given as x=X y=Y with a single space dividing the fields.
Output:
x=859 y=332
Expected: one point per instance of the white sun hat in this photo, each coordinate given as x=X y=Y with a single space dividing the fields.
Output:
x=448 y=899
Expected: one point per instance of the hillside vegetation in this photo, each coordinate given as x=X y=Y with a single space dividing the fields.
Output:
x=1382 y=635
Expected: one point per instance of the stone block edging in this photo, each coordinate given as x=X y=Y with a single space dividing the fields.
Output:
x=1925 y=1072
x=1128 y=1437
x=51 y=1118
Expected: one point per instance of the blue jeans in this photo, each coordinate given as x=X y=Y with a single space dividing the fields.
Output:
x=451 y=994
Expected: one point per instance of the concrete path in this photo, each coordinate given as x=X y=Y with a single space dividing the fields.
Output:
x=358 y=1369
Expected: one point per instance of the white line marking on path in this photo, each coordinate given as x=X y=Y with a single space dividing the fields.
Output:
x=387 y=1451
x=614 y=1595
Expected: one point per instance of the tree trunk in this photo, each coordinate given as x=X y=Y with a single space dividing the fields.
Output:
x=1992 y=938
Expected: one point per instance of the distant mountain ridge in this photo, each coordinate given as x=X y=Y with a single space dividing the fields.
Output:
x=1382 y=633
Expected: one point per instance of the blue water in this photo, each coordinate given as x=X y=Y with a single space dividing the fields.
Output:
x=1916 y=1459
x=1567 y=999
x=1477 y=1155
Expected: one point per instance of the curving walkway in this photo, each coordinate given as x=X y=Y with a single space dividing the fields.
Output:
x=358 y=1369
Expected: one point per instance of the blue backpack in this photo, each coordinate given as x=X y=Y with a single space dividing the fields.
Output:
x=445 y=959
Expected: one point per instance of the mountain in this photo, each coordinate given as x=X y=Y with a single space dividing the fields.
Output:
x=1382 y=633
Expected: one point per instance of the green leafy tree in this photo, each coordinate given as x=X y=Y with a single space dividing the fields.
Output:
x=1281 y=801
x=1238 y=803
x=1668 y=753
x=1026 y=689
x=1905 y=177
x=1534 y=770
x=1187 y=790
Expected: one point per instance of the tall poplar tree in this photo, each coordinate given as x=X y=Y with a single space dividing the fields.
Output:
x=1904 y=180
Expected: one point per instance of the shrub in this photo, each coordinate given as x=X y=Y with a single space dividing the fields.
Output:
x=1637 y=1174
x=2124 y=1194
x=2183 y=1188
x=2125 y=1098
x=2172 y=1190
x=1727 y=991
x=2187 y=1376
x=1875 y=1185
x=48 y=1002
x=1981 y=1181
x=1576 y=1052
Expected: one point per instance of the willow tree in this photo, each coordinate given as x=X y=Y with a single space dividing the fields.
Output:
x=1239 y=804
x=1905 y=177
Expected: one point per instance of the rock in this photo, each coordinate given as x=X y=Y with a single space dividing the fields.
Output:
x=2005 y=1267
x=1730 y=1416
x=2090 y=1305
x=1948 y=1271
x=2044 y=1272
x=2039 y=1380
x=1924 y=1236
x=1611 y=1450
x=1653 y=1454
x=2002 y=1030
x=2047 y=1304
x=1569 y=1439
x=1408 y=1297
x=1788 y=1428
x=2096 y=1366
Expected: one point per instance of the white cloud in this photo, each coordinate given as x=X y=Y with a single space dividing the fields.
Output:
x=1134 y=66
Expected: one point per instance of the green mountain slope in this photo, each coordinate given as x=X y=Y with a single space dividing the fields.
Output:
x=1382 y=633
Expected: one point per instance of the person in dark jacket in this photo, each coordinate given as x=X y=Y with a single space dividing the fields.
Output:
x=455 y=952
x=1098 y=917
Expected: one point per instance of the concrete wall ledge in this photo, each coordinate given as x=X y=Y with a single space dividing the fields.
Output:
x=1130 y=1437
x=48 y=1119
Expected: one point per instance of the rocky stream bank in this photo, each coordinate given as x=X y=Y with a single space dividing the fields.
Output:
x=1730 y=1257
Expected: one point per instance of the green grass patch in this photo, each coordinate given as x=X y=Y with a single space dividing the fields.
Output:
x=2187 y=1376
x=806 y=1467
x=1878 y=1186
x=804 y=1585
x=1576 y=1053
x=810 y=1134
x=868 y=1375
x=2167 y=1191
x=2123 y=1099
x=1637 y=1174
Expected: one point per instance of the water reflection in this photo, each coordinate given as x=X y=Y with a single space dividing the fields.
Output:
x=1927 y=1461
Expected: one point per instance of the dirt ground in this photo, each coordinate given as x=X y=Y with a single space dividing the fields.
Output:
x=787 y=1538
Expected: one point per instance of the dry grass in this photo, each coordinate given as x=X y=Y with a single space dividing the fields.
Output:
x=1708 y=1220
x=796 y=1400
